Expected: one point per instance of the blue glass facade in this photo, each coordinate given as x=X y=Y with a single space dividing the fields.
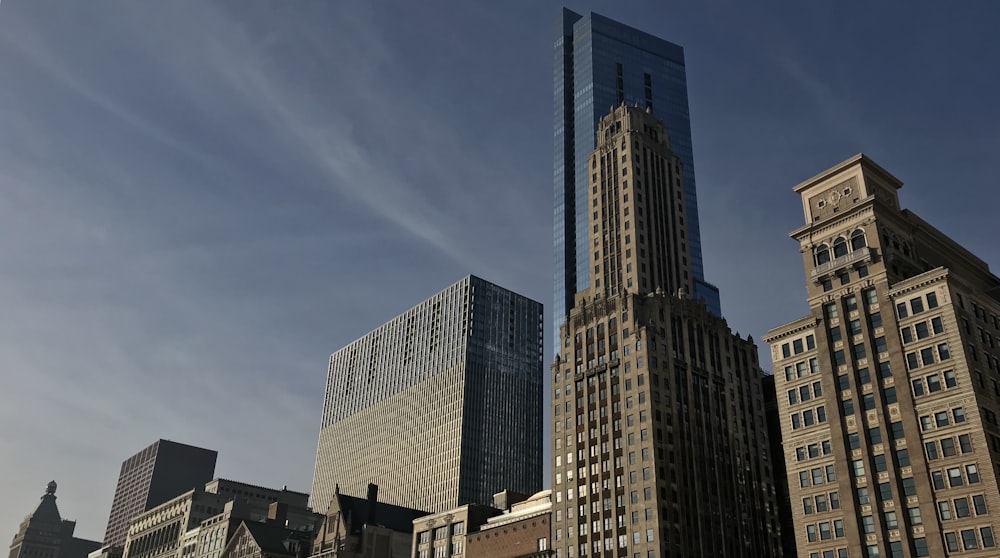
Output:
x=600 y=63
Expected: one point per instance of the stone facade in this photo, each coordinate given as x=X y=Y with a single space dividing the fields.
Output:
x=887 y=392
x=659 y=436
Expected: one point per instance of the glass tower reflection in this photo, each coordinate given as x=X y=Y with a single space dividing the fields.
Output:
x=599 y=64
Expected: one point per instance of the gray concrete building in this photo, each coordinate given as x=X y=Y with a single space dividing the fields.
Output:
x=888 y=390
x=659 y=435
x=441 y=406
x=157 y=473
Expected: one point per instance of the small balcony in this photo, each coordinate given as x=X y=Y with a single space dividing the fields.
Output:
x=861 y=255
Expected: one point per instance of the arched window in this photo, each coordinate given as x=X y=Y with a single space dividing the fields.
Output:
x=857 y=240
x=839 y=247
x=822 y=254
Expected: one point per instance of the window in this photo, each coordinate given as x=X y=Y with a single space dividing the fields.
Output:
x=901 y=310
x=941 y=419
x=875 y=435
x=955 y=477
x=890 y=520
x=907 y=335
x=843 y=382
x=949 y=378
x=962 y=507
x=933 y=383
x=932 y=452
x=916 y=305
x=943 y=352
x=937 y=478
x=969 y=541
x=944 y=510
x=835 y=502
x=972 y=472
x=922 y=331
x=858 y=241
x=848 y=406
x=853 y=440
x=948 y=447
x=987 y=534
x=807 y=506
x=915 y=518
x=885 y=490
x=965 y=443
x=868 y=524
x=859 y=468
x=932 y=300
x=951 y=542
x=839 y=247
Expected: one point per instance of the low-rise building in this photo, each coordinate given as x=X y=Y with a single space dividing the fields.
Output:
x=521 y=532
x=199 y=523
x=364 y=527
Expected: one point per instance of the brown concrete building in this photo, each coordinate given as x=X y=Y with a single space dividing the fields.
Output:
x=659 y=437
x=261 y=540
x=888 y=391
x=364 y=528
x=445 y=534
x=523 y=531
x=45 y=534
x=160 y=472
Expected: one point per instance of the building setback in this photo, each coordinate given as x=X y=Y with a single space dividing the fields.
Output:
x=888 y=391
x=158 y=473
x=599 y=64
x=659 y=436
x=441 y=406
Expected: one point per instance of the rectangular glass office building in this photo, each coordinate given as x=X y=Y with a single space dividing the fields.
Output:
x=441 y=406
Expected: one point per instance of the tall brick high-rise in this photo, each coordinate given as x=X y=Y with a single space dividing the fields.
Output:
x=888 y=390
x=659 y=437
x=152 y=476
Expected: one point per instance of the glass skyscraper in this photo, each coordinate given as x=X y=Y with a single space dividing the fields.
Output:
x=600 y=64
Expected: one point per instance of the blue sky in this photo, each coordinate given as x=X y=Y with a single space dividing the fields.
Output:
x=200 y=201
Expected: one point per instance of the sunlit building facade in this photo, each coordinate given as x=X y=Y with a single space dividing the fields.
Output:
x=442 y=406
x=888 y=390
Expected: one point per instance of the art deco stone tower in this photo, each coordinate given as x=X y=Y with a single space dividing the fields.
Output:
x=888 y=391
x=659 y=438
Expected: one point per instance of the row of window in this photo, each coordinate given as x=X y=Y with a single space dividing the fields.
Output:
x=836 y=553
x=797 y=346
x=813 y=450
x=817 y=476
x=927 y=356
x=864 y=376
x=825 y=530
x=941 y=419
x=868 y=401
x=805 y=393
x=960 y=507
x=916 y=305
x=875 y=435
x=821 y=503
x=948 y=447
x=801 y=369
x=955 y=476
x=809 y=417
x=921 y=330
x=933 y=383
x=822 y=253
x=969 y=539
